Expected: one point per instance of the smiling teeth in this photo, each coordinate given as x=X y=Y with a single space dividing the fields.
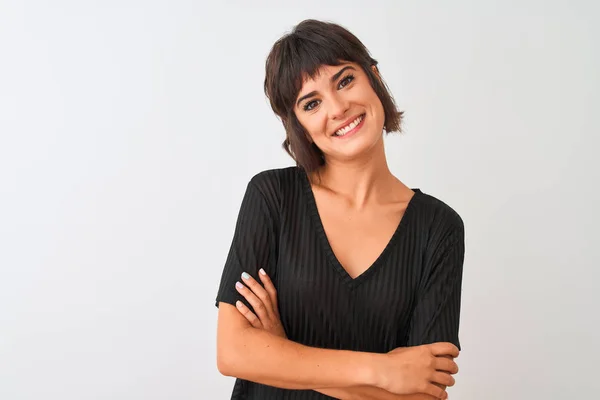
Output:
x=349 y=127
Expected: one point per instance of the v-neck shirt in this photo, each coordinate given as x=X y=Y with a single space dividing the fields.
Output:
x=410 y=295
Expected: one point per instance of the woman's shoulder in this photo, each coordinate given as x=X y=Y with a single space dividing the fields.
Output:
x=278 y=183
x=438 y=213
x=277 y=178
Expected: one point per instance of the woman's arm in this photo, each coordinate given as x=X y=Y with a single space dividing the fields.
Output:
x=263 y=299
x=436 y=316
x=375 y=393
x=371 y=393
x=257 y=355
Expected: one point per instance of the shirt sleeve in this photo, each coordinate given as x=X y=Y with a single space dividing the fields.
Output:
x=436 y=316
x=253 y=246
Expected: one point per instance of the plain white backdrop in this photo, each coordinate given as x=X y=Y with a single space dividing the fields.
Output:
x=129 y=129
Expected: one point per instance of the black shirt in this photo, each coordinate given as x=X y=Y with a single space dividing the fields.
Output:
x=409 y=296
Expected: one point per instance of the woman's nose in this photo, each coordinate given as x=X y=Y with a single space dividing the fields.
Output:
x=338 y=107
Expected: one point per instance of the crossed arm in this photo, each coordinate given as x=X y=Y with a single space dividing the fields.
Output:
x=241 y=348
x=246 y=339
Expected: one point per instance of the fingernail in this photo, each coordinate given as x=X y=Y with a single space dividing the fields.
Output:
x=245 y=276
x=262 y=271
x=239 y=285
x=238 y=304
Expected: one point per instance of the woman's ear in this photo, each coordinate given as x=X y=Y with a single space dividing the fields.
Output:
x=376 y=71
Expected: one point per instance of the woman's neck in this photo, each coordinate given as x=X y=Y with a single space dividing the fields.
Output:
x=361 y=182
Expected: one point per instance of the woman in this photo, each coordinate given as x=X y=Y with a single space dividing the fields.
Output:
x=341 y=281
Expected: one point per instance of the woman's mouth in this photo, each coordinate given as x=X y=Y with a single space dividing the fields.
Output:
x=351 y=128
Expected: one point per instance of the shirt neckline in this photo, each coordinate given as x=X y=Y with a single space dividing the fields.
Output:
x=326 y=245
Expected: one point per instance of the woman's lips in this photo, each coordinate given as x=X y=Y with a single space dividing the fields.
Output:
x=352 y=131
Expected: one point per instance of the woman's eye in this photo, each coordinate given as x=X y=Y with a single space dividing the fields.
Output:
x=310 y=105
x=344 y=82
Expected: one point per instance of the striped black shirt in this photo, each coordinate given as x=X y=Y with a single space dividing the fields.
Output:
x=409 y=296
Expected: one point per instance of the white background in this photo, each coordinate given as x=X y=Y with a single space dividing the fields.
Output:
x=129 y=129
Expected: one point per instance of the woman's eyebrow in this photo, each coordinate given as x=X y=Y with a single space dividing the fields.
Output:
x=333 y=79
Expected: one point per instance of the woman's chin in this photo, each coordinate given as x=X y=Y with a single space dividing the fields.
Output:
x=358 y=148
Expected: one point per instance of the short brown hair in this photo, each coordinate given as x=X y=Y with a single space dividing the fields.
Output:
x=300 y=53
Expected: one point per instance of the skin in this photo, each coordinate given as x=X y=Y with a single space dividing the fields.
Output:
x=360 y=203
x=335 y=102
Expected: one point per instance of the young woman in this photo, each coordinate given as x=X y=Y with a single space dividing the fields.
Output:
x=341 y=281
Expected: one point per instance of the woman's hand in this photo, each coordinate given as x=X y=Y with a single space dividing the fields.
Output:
x=419 y=369
x=264 y=302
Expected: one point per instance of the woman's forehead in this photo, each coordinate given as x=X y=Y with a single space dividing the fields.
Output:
x=323 y=71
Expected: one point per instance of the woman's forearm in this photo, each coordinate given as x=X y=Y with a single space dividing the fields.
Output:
x=256 y=355
x=370 y=393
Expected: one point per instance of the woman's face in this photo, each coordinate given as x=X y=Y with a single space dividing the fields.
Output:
x=340 y=111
